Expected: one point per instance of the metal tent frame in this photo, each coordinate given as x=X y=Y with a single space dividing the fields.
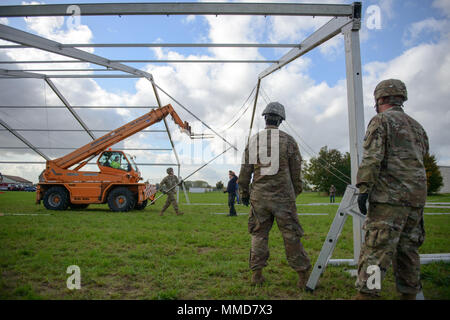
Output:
x=345 y=19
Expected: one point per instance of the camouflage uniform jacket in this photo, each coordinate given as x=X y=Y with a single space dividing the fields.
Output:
x=169 y=182
x=285 y=184
x=392 y=170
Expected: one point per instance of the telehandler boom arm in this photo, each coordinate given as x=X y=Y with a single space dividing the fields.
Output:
x=95 y=147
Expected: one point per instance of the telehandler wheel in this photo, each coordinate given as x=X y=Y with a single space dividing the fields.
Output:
x=56 y=198
x=121 y=199
x=78 y=206
x=141 y=206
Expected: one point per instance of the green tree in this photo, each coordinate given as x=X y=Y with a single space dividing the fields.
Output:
x=434 y=177
x=329 y=167
x=219 y=185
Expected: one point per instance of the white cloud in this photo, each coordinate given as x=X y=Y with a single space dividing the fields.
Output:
x=429 y=27
x=443 y=5
x=4 y=21
x=427 y=84
x=387 y=10
x=189 y=19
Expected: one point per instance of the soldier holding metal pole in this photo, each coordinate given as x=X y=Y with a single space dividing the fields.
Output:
x=168 y=185
x=392 y=177
x=273 y=158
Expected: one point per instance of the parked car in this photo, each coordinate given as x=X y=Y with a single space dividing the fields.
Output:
x=30 y=189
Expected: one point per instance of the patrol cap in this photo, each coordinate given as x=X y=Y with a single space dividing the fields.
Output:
x=275 y=108
x=390 y=87
x=169 y=170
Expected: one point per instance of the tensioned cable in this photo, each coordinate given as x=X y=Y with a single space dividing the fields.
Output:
x=324 y=161
x=266 y=98
x=187 y=110
x=243 y=113
x=312 y=150
x=239 y=110
x=198 y=169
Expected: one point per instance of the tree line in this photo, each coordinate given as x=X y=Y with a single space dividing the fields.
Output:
x=333 y=167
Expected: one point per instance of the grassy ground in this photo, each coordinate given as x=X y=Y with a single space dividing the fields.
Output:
x=140 y=255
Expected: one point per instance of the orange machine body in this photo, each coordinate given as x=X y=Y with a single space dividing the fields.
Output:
x=117 y=169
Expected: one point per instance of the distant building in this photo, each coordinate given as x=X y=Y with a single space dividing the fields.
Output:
x=445 y=173
x=7 y=181
x=199 y=190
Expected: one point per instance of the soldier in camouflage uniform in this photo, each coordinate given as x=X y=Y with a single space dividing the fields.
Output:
x=272 y=195
x=392 y=177
x=168 y=186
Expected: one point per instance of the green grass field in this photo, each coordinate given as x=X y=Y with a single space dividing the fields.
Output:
x=201 y=255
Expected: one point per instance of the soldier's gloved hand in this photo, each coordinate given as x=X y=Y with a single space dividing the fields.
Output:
x=245 y=201
x=180 y=183
x=362 y=200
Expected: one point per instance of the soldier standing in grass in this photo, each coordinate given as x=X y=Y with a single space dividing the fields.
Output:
x=332 y=192
x=392 y=177
x=231 y=190
x=274 y=189
x=168 y=186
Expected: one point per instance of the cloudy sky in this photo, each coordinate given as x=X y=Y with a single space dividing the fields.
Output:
x=411 y=42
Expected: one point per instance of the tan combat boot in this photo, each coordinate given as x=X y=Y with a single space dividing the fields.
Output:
x=161 y=213
x=257 y=277
x=407 y=296
x=302 y=279
x=180 y=213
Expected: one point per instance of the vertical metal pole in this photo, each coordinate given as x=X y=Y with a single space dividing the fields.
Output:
x=170 y=136
x=254 y=109
x=355 y=115
x=178 y=188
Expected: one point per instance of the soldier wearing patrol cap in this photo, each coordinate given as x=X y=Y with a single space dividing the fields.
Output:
x=272 y=195
x=168 y=186
x=392 y=177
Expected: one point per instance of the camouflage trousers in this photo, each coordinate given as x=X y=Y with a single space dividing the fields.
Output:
x=392 y=234
x=262 y=215
x=171 y=200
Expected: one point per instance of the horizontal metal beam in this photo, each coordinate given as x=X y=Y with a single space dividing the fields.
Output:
x=165 y=45
x=434 y=257
x=326 y=32
x=72 y=130
x=61 y=70
x=147 y=61
x=79 y=76
x=78 y=107
x=40 y=61
x=21 y=138
x=20 y=74
x=62 y=148
x=424 y=259
x=90 y=163
x=180 y=8
x=92 y=76
x=31 y=40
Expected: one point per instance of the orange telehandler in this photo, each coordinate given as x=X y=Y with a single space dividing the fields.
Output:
x=117 y=183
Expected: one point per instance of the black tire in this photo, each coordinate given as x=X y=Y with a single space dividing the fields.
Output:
x=121 y=199
x=78 y=206
x=141 y=206
x=56 y=198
